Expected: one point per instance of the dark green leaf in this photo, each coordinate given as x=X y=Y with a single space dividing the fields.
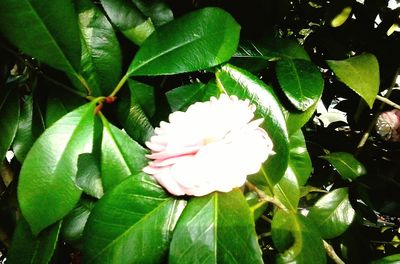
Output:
x=360 y=73
x=346 y=164
x=299 y=159
x=128 y=19
x=88 y=175
x=131 y=224
x=29 y=249
x=393 y=259
x=287 y=190
x=332 y=213
x=30 y=126
x=198 y=40
x=101 y=61
x=121 y=156
x=47 y=30
x=246 y=86
x=48 y=174
x=9 y=116
x=301 y=82
x=143 y=95
x=297 y=239
x=74 y=223
x=297 y=119
x=217 y=228
x=182 y=97
x=132 y=110
x=157 y=10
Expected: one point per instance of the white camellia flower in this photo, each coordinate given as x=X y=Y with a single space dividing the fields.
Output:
x=212 y=146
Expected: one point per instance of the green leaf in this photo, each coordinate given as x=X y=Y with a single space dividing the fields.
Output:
x=88 y=175
x=346 y=165
x=47 y=30
x=121 y=156
x=217 y=228
x=297 y=119
x=48 y=173
x=30 y=126
x=9 y=116
x=75 y=222
x=332 y=213
x=299 y=159
x=128 y=19
x=131 y=111
x=244 y=85
x=287 y=190
x=360 y=73
x=198 y=40
x=182 y=97
x=30 y=249
x=131 y=224
x=297 y=239
x=301 y=82
x=101 y=60
x=143 y=95
x=392 y=259
x=157 y=10
x=340 y=18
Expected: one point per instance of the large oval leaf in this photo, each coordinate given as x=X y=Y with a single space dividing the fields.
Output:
x=128 y=19
x=346 y=164
x=360 y=73
x=48 y=173
x=121 y=156
x=101 y=61
x=296 y=239
x=29 y=249
x=9 y=116
x=238 y=82
x=131 y=224
x=217 y=228
x=301 y=82
x=47 y=30
x=198 y=40
x=157 y=10
x=287 y=190
x=332 y=213
x=299 y=159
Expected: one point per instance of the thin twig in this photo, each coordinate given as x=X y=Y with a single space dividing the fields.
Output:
x=387 y=101
x=264 y=197
x=331 y=253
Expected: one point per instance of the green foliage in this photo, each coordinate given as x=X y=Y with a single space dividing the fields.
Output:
x=85 y=85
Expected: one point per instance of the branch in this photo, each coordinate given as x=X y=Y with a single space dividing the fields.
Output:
x=264 y=197
x=331 y=253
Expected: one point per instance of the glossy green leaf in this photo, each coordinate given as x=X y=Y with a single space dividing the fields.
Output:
x=244 y=85
x=392 y=259
x=128 y=19
x=301 y=82
x=88 y=175
x=157 y=10
x=74 y=223
x=360 y=73
x=101 y=60
x=181 y=98
x=131 y=224
x=297 y=239
x=287 y=190
x=299 y=159
x=30 y=25
x=131 y=110
x=121 y=156
x=332 y=213
x=143 y=95
x=198 y=40
x=29 y=249
x=346 y=165
x=48 y=173
x=30 y=126
x=217 y=228
x=297 y=119
x=9 y=116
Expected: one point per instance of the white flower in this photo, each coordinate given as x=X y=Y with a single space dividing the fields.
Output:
x=212 y=146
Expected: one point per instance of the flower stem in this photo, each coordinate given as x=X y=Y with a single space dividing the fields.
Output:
x=119 y=85
x=264 y=197
x=331 y=253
